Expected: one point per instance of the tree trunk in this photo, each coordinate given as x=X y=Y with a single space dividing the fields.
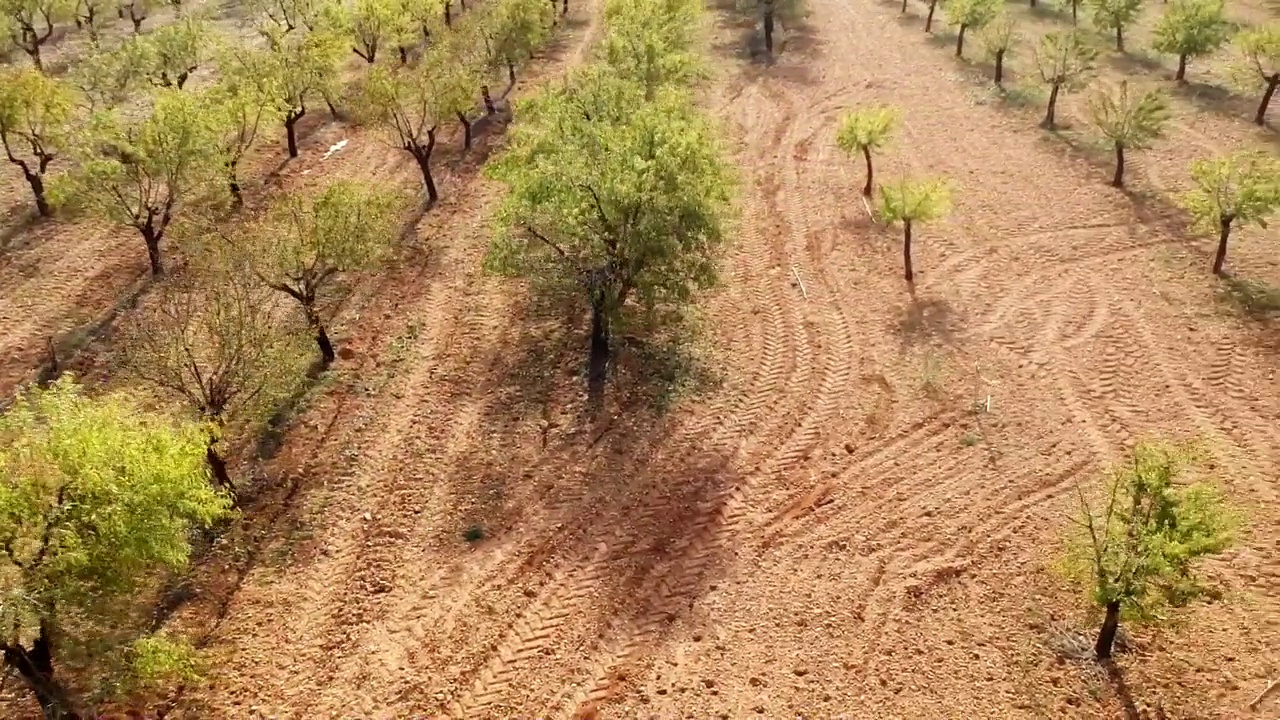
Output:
x=1224 y=233
x=1075 y=12
x=928 y=19
x=1181 y=75
x=466 y=130
x=1053 y=103
x=35 y=666
x=866 y=155
x=290 y=130
x=489 y=107
x=1000 y=67
x=960 y=41
x=233 y=184
x=906 y=251
x=327 y=355
x=448 y=15
x=511 y=75
x=137 y=22
x=423 y=156
x=768 y=29
x=404 y=55
x=1120 y=38
x=217 y=466
x=1118 y=180
x=1033 y=3
x=904 y=6
x=37 y=188
x=152 y=238
x=1107 y=635
x=34 y=52
x=598 y=362
x=1272 y=81
x=564 y=7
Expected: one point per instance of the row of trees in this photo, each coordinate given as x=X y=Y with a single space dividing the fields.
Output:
x=1187 y=29
x=617 y=190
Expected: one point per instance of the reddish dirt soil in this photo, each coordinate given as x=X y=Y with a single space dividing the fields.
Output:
x=837 y=529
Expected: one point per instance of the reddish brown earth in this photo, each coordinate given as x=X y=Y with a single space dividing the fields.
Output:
x=858 y=520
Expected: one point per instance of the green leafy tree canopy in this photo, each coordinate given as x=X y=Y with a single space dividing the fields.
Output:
x=864 y=130
x=911 y=203
x=970 y=14
x=1237 y=189
x=1115 y=16
x=1065 y=62
x=1189 y=29
x=1258 y=66
x=1128 y=120
x=35 y=119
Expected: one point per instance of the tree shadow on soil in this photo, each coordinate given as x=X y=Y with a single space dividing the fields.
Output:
x=797 y=45
x=1210 y=97
x=928 y=319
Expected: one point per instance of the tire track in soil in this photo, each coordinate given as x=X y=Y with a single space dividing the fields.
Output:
x=674 y=583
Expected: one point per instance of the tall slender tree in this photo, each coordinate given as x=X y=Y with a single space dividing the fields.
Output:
x=864 y=130
x=998 y=38
x=1065 y=62
x=1129 y=121
x=911 y=203
x=1237 y=189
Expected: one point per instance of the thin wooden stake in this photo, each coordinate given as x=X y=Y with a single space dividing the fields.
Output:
x=802 y=290
x=1263 y=695
x=871 y=216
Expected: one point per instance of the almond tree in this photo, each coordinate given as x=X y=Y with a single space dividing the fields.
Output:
x=911 y=202
x=614 y=198
x=30 y=23
x=1115 y=15
x=1065 y=62
x=1128 y=121
x=997 y=39
x=453 y=83
x=770 y=12
x=87 y=15
x=517 y=29
x=406 y=108
x=175 y=51
x=928 y=19
x=1137 y=552
x=651 y=41
x=246 y=101
x=278 y=18
x=1232 y=190
x=96 y=497
x=217 y=344
x=303 y=67
x=141 y=172
x=1191 y=28
x=35 y=117
x=306 y=243
x=138 y=11
x=375 y=24
x=865 y=130
x=966 y=14
x=1259 y=51
x=106 y=78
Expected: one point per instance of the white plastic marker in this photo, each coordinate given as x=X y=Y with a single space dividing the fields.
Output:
x=335 y=148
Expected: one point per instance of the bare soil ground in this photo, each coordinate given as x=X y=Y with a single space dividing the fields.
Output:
x=859 y=519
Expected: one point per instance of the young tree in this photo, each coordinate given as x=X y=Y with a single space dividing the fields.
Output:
x=997 y=39
x=406 y=108
x=30 y=23
x=1115 y=16
x=1128 y=121
x=517 y=29
x=911 y=203
x=1191 y=28
x=219 y=345
x=650 y=41
x=613 y=197
x=141 y=172
x=1232 y=190
x=965 y=14
x=35 y=117
x=865 y=130
x=1259 y=50
x=928 y=19
x=1065 y=62
x=454 y=83
x=306 y=243
x=302 y=67
x=245 y=101
x=1138 y=552
x=138 y=11
x=773 y=10
x=95 y=497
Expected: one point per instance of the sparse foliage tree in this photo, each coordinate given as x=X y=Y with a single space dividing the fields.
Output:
x=997 y=39
x=1137 y=551
x=278 y=18
x=517 y=29
x=1115 y=16
x=87 y=15
x=865 y=130
x=35 y=116
x=1128 y=121
x=966 y=14
x=306 y=243
x=614 y=198
x=138 y=11
x=246 y=101
x=453 y=81
x=376 y=24
x=1232 y=190
x=30 y=23
x=912 y=202
x=142 y=172
x=771 y=11
x=1191 y=28
x=928 y=18
x=406 y=107
x=175 y=51
x=107 y=77
x=1259 y=50
x=95 y=497
x=1065 y=62
x=218 y=345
